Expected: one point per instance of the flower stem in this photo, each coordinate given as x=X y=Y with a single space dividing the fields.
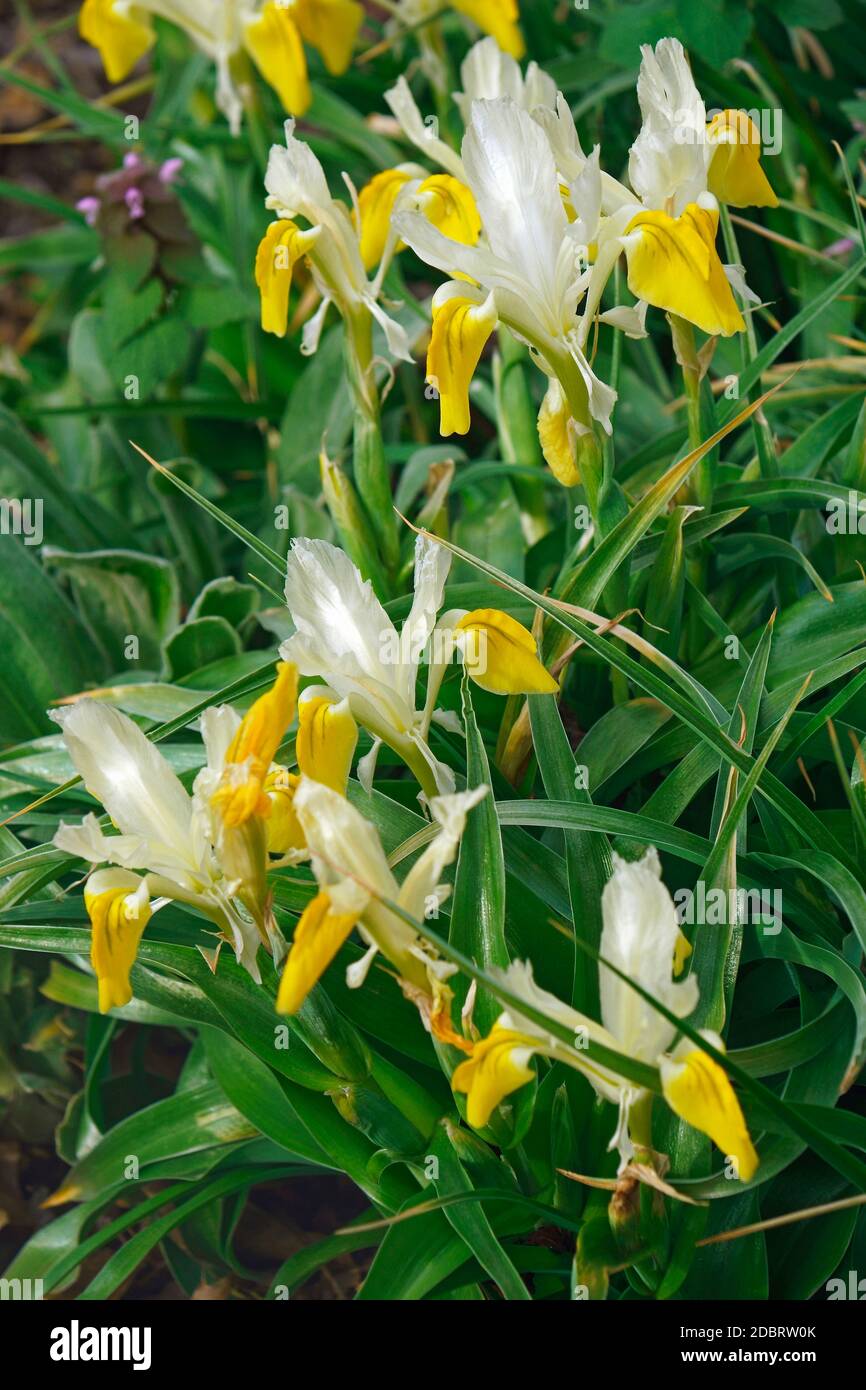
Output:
x=518 y=435
x=370 y=470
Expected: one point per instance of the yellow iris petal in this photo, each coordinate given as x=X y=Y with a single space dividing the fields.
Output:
x=496 y=17
x=331 y=26
x=117 y=919
x=121 y=37
x=557 y=434
x=450 y=206
x=318 y=937
x=283 y=827
x=446 y=201
x=241 y=792
x=673 y=264
x=327 y=737
x=375 y=205
x=498 y=1066
x=274 y=44
x=698 y=1090
x=735 y=175
x=460 y=329
x=281 y=247
x=500 y=655
x=682 y=951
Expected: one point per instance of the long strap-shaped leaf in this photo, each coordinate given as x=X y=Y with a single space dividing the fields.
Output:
x=808 y=824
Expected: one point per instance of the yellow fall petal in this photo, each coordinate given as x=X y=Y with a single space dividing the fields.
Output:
x=375 y=205
x=122 y=37
x=331 y=27
x=241 y=793
x=326 y=742
x=450 y=206
x=281 y=247
x=673 y=264
x=460 y=329
x=283 y=827
x=682 y=951
x=118 y=920
x=735 y=174
x=318 y=937
x=274 y=44
x=501 y=655
x=557 y=434
x=496 y=17
x=698 y=1090
x=498 y=1066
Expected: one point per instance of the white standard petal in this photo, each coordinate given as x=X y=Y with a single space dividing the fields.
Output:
x=585 y=193
x=432 y=563
x=128 y=774
x=450 y=814
x=88 y=841
x=423 y=135
x=295 y=180
x=442 y=251
x=219 y=724
x=639 y=935
x=343 y=630
x=518 y=980
x=668 y=161
x=512 y=174
x=342 y=844
x=558 y=125
x=487 y=72
x=539 y=89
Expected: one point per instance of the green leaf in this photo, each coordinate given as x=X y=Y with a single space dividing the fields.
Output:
x=121 y=594
x=478 y=905
x=43 y=660
x=200 y=642
x=470 y=1221
x=587 y=855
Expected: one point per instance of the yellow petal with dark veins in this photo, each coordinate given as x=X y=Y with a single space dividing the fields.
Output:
x=274 y=44
x=698 y=1090
x=673 y=264
x=500 y=655
x=498 y=1066
x=735 y=174
x=326 y=742
x=121 y=36
x=318 y=937
x=461 y=328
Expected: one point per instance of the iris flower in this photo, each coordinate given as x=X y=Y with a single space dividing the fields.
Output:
x=271 y=32
x=354 y=876
x=345 y=638
x=209 y=849
x=329 y=238
x=527 y=272
x=640 y=936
